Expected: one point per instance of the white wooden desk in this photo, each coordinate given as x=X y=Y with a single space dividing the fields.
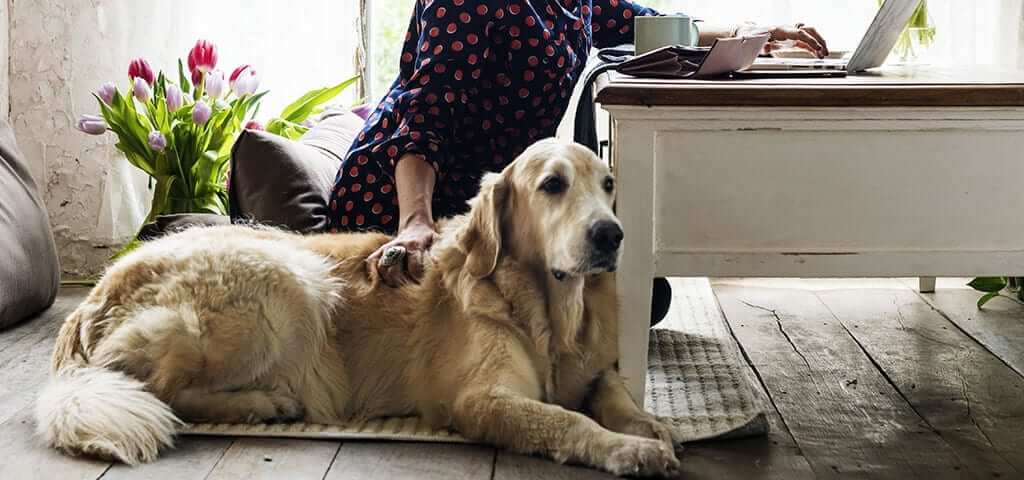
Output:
x=900 y=173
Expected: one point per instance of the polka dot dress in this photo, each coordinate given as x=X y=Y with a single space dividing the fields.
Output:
x=479 y=81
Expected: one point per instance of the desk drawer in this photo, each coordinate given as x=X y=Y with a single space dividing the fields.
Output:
x=838 y=191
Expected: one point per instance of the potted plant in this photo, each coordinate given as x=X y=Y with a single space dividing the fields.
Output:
x=919 y=33
x=180 y=133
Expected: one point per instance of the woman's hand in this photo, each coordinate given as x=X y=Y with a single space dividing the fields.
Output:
x=801 y=35
x=414 y=182
x=416 y=238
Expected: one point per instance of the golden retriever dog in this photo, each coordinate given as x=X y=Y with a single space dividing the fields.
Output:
x=509 y=338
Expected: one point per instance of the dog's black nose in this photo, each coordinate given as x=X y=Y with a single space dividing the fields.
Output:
x=606 y=236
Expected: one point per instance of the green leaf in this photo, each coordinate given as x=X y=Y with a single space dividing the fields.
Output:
x=300 y=109
x=183 y=80
x=988 y=284
x=985 y=298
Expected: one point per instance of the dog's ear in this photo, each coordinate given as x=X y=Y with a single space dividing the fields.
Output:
x=482 y=238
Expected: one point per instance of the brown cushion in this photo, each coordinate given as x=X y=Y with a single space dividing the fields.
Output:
x=29 y=270
x=276 y=181
x=167 y=224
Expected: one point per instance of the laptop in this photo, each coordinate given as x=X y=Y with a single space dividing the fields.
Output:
x=872 y=52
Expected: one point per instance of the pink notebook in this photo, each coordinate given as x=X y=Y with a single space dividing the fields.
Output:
x=726 y=55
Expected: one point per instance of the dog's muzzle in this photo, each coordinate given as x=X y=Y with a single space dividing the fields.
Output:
x=605 y=239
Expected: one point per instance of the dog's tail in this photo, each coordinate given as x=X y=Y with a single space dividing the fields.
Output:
x=96 y=411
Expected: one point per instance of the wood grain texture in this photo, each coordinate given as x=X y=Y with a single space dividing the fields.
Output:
x=843 y=414
x=25 y=353
x=999 y=327
x=967 y=395
x=512 y=466
x=413 y=461
x=775 y=456
x=23 y=457
x=24 y=367
x=275 y=458
x=887 y=88
x=192 y=457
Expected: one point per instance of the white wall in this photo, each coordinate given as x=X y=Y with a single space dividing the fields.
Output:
x=61 y=50
x=4 y=58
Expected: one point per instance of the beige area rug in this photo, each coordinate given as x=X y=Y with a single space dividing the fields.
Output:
x=696 y=379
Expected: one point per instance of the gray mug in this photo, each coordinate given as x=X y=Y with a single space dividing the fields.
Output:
x=654 y=32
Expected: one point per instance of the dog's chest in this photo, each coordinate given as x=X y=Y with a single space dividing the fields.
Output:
x=573 y=377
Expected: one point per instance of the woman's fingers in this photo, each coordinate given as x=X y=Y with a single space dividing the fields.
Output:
x=388 y=272
x=804 y=45
x=414 y=264
x=392 y=275
x=817 y=36
x=803 y=36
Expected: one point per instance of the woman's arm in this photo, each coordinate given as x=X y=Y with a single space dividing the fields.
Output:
x=442 y=58
x=414 y=182
x=709 y=32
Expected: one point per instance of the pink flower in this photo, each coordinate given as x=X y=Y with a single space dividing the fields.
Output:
x=106 y=92
x=157 y=141
x=236 y=72
x=202 y=58
x=139 y=68
x=92 y=125
x=201 y=112
x=363 y=111
x=215 y=84
x=253 y=125
x=141 y=90
x=244 y=81
x=174 y=98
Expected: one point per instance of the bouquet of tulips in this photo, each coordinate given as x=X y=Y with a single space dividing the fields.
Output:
x=181 y=133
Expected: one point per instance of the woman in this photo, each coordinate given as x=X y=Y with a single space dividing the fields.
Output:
x=480 y=81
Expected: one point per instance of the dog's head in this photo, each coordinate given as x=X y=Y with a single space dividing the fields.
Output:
x=551 y=208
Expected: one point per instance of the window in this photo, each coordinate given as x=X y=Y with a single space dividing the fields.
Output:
x=967 y=31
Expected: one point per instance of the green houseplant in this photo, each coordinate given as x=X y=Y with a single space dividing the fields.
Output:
x=918 y=33
x=180 y=133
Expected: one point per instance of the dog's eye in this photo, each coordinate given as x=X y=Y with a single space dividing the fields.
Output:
x=609 y=184
x=553 y=185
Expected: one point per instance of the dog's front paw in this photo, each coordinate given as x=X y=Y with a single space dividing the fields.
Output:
x=650 y=426
x=641 y=456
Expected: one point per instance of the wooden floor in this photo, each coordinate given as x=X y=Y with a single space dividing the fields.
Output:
x=867 y=378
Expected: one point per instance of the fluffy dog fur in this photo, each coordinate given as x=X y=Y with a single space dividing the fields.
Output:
x=510 y=335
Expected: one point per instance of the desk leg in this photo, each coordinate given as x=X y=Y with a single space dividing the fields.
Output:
x=633 y=159
x=926 y=284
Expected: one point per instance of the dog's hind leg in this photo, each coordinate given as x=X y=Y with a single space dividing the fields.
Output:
x=243 y=406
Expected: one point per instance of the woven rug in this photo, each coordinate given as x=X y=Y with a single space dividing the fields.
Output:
x=696 y=379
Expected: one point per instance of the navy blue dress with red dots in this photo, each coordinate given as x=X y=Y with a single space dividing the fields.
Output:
x=480 y=81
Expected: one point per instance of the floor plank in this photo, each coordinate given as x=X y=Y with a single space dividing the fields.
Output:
x=67 y=300
x=968 y=395
x=512 y=466
x=414 y=461
x=999 y=326
x=192 y=458
x=24 y=360
x=26 y=351
x=774 y=456
x=23 y=457
x=275 y=458
x=843 y=414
